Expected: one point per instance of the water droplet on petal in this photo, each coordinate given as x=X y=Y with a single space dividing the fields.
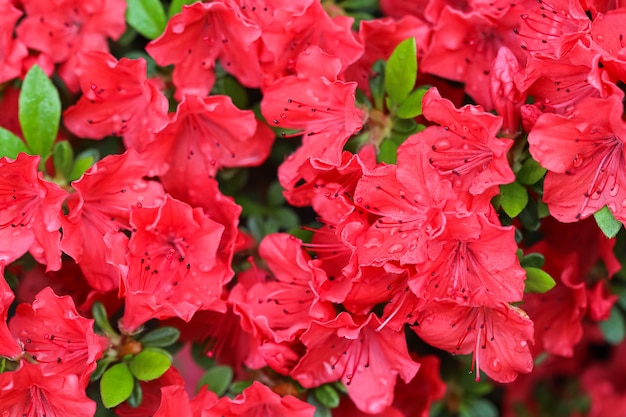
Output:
x=139 y=205
x=283 y=116
x=442 y=145
x=396 y=248
x=600 y=38
x=496 y=365
x=46 y=336
x=578 y=160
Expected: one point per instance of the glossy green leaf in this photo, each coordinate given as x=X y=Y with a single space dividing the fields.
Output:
x=478 y=407
x=149 y=364
x=82 y=163
x=535 y=260
x=412 y=106
x=377 y=84
x=538 y=281
x=161 y=337
x=320 y=409
x=237 y=387
x=530 y=172
x=613 y=328
x=63 y=155
x=609 y=225
x=135 y=398
x=513 y=198
x=388 y=152
x=116 y=385
x=11 y=145
x=176 y=6
x=39 y=112
x=146 y=17
x=401 y=72
x=327 y=396
x=101 y=366
x=217 y=379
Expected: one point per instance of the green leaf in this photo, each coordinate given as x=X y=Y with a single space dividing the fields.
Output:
x=146 y=17
x=101 y=318
x=377 y=83
x=412 y=106
x=535 y=260
x=513 y=198
x=237 y=387
x=176 y=6
x=39 y=112
x=11 y=145
x=530 y=172
x=327 y=396
x=609 y=225
x=388 y=152
x=401 y=72
x=116 y=385
x=102 y=366
x=320 y=409
x=217 y=379
x=613 y=328
x=162 y=337
x=63 y=155
x=82 y=163
x=136 y=396
x=149 y=364
x=538 y=281
x=478 y=407
x=275 y=196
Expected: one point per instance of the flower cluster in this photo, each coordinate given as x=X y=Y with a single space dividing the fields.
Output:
x=320 y=211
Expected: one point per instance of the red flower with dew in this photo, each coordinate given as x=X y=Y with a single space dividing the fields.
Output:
x=318 y=106
x=100 y=206
x=291 y=34
x=464 y=147
x=585 y=157
x=288 y=301
x=30 y=211
x=259 y=400
x=203 y=136
x=364 y=355
x=499 y=337
x=12 y=51
x=53 y=333
x=117 y=100
x=172 y=271
x=201 y=34
x=63 y=28
x=8 y=345
x=471 y=261
x=31 y=391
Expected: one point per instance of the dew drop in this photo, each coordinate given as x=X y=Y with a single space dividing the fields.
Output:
x=578 y=160
x=94 y=87
x=495 y=364
x=442 y=145
x=139 y=205
x=396 y=248
x=623 y=203
x=46 y=336
x=600 y=38
x=283 y=116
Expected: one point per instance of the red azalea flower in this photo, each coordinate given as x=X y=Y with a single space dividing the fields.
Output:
x=507 y=94
x=13 y=50
x=472 y=261
x=499 y=337
x=464 y=147
x=8 y=345
x=158 y=395
x=32 y=392
x=291 y=34
x=464 y=45
x=52 y=332
x=101 y=205
x=172 y=270
x=203 y=136
x=584 y=155
x=287 y=302
x=259 y=400
x=201 y=34
x=315 y=103
x=117 y=100
x=63 y=28
x=364 y=356
x=30 y=211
